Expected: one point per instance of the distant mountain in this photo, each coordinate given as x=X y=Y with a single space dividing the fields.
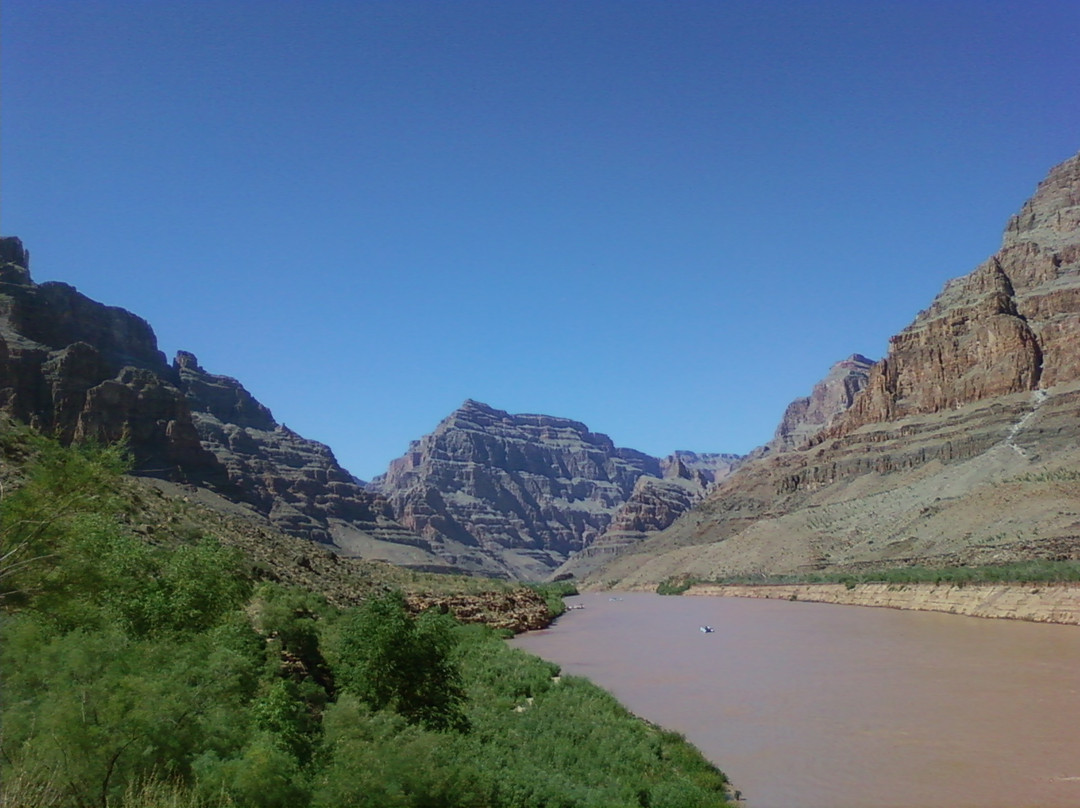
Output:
x=962 y=447
x=832 y=396
x=530 y=489
x=653 y=505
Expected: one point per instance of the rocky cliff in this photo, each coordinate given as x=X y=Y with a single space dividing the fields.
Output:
x=653 y=505
x=530 y=489
x=656 y=504
x=832 y=396
x=76 y=368
x=1011 y=326
x=962 y=448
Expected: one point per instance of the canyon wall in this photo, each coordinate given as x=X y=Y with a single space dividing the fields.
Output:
x=961 y=448
x=529 y=488
x=77 y=369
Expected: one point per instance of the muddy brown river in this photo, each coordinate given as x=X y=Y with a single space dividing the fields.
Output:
x=810 y=705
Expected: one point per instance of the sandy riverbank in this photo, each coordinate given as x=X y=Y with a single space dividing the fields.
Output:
x=1041 y=603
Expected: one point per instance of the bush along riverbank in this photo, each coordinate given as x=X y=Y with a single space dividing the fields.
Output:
x=164 y=675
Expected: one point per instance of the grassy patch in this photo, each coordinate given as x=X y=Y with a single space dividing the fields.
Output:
x=1039 y=571
x=676 y=585
x=553 y=594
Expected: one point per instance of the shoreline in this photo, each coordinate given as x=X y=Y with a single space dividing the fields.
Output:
x=1038 y=603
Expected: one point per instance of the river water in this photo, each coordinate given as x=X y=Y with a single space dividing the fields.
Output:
x=810 y=705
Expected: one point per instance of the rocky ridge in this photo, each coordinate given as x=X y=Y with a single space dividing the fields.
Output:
x=72 y=367
x=653 y=505
x=78 y=369
x=656 y=505
x=806 y=417
x=531 y=489
x=962 y=447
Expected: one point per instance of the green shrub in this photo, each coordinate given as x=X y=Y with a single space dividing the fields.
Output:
x=392 y=660
x=153 y=677
x=675 y=586
x=553 y=594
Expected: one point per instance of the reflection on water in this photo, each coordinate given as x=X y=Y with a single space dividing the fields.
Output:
x=808 y=705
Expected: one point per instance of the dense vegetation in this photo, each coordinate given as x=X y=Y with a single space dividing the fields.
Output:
x=166 y=674
x=1035 y=571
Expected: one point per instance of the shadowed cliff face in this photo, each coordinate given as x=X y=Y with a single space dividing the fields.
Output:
x=78 y=369
x=73 y=367
x=961 y=448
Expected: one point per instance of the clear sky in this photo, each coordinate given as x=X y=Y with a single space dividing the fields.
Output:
x=666 y=219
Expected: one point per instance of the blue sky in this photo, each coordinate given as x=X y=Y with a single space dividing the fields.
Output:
x=664 y=219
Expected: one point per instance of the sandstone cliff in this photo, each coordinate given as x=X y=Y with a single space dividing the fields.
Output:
x=1010 y=326
x=962 y=448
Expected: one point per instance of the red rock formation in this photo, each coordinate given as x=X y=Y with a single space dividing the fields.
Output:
x=1011 y=325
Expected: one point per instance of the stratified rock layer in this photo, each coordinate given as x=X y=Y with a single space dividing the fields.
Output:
x=653 y=505
x=832 y=396
x=530 y=489
x=1054 y=603
x=1011 y=326
x=78 y=369
x=961 y=449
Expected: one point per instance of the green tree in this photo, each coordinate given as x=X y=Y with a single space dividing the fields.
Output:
x=391 y=660
x=66 y=491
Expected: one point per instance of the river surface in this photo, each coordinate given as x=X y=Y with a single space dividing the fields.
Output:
x=812 y=705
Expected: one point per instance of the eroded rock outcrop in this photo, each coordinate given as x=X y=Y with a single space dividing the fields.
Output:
x=1011 y=326
x=296 y=482
x=78 y=369
x=832 y=396
x=518 y=610
x=529 y=488
x=962 y=447
x=653 y=505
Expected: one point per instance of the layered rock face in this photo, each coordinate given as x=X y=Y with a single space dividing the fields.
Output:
x=653 y=505
x=962 y=448
x=75 y=368
x=833 y=395
x=1012 y=325
x=78 y=369
x=296 y=482
x=656 y=504
x=530 y=489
